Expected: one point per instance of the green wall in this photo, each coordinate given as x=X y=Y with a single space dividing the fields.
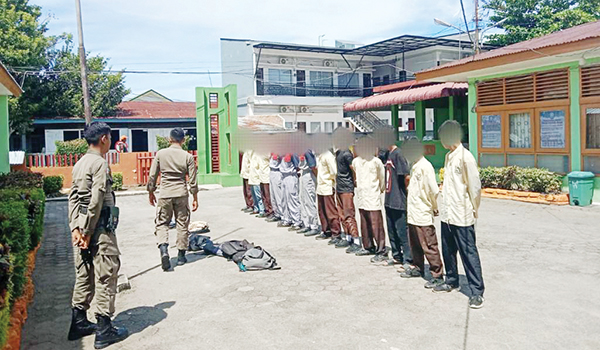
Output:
x=4 y=135
x=228 y=174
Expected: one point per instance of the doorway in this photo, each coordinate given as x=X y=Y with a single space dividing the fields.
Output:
x=139 y=140
x=302 y=127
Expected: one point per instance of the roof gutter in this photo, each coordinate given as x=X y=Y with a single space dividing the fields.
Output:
x=7 y=80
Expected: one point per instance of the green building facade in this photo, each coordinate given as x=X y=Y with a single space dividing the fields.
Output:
x=217 y=125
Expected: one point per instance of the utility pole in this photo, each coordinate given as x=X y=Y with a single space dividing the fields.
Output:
x=476 y=27
x=84 y=83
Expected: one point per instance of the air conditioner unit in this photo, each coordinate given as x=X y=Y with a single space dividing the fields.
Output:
x=284 y=60
x=286 y=109
x=328 y=63
x=304 y=109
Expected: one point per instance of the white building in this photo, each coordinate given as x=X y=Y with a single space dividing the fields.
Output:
x=308 y=85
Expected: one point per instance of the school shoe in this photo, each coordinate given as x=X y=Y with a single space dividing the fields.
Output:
x=285 y=224
x=80 y=326
x=261 y=215
x=344 y=243
x=311 y=233
x=476 y=302
x=164 y=257
x=107 y=334
x=445 y=287
x=273 y=219
x=247 y=210
x=379 y=259
x=255 y=212
x=433 y=283
x=410 y=273
x=322 y=236
x=334 y=241
x=181 y=259
x=295 y=228
x=304 y=230
x=352 y=249
x=365 y=252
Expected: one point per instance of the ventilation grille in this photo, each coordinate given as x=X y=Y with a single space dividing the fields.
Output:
x=590 y=81
x=519 y=89
x=490 y=93
x=552 y=85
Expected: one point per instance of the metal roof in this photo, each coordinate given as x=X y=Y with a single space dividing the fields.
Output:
x=403 y=43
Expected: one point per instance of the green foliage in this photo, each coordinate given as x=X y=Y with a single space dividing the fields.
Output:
x=117 y=181
x=163 y=142
x=21 y=179
x=521 y=179
x=53 y=184
x=77 y=146
x=15 y=232
x=528 y=19
x=4 y=321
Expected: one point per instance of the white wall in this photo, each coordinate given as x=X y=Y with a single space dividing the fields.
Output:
x=237 y=56
x=152 y=133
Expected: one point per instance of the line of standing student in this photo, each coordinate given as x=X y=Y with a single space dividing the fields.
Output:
x=301 y=188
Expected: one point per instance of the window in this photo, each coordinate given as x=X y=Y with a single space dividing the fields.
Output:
x=321 y=84
x=592 y=128
x=556 y=163
x=386 y=79
x=520 y=130
x=348 y=80
x=329 y=127
x=69 y=135
x=552 y=129
x=376 y=81
x=289 y=125
x=280 y=82
x=213 y=100
x=491 y=131
x=315 y=127
x=260 y=89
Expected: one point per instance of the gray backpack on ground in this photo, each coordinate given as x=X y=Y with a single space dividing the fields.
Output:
x=258 y=259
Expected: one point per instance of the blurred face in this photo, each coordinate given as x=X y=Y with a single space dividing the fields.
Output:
x=450 y=135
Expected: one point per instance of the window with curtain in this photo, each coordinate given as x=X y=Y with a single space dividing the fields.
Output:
x=520 y=130
x=552 y=129
x=592 y=125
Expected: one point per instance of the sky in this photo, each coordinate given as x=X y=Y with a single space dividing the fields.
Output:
x=183 y=35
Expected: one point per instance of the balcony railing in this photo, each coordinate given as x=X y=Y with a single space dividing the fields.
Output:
x=308 y=90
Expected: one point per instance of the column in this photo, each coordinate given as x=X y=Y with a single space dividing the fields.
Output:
x=472 y=101
x=420 y=119
x=575 y=113
x=395 y=120
x=4 y=135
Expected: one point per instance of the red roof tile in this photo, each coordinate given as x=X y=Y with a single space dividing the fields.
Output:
x=155 y=110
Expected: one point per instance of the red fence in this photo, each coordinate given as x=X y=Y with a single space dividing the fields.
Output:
x=144 y=162
x=65 y=160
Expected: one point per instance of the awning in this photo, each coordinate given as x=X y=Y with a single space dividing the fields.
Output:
x=407 y=96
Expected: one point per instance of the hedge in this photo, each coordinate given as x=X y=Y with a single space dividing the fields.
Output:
x=521 y=179
x=77 y=146
x=21 y=229
x=117 y=181
x=53 y=184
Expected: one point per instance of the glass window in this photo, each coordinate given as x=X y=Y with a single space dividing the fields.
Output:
x=558 y=164
x=69 y=135
x=592 y=124
x=213 y=100
x=315 y=127
x=491 y=131
x=280 y=76
x=488 y=159
x=289 y=125
x=552 y=129
x=591 y=163
x=321 y=84
x=348 y=80
x=520 y=130
x=329 y=127
x=522 y=160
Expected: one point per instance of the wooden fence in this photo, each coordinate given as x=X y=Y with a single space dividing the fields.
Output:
x=54 y=160
x=144 y=162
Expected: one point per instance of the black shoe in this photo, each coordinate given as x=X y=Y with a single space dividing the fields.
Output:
x=322 y=236
x=344 y=243
x=379 y=259
x=311 y=233
x=304 y=230
x=80 y=326
x=445 y=287
x=107 y=334
x=352 y=249
x=433 y=283
x=476 y=302
x=410 y=273
x=364 y=252
x=181 y=259
x=334 y=241
x=164 y=257
x=273 y=219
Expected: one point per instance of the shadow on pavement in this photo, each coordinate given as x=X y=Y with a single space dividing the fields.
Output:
x=142 y=317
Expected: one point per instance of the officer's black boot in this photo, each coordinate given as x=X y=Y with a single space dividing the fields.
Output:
x=80 y=326
x=107 y=334
x=181 y=259
x=164 y=256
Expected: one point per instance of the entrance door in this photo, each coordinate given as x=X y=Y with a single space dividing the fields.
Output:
x=139 y=140
x=366 y=85
x=302 y=127
x=300 y=83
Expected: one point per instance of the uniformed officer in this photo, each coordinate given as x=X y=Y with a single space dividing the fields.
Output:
x=92 y=219
x=174 y=165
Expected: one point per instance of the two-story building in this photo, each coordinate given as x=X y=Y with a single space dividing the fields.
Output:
x=308 y=85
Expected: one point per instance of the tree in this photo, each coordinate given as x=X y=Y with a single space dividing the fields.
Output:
x=528 y=19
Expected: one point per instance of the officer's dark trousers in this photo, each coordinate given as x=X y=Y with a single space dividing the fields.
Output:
x=462 y=240
x=398 y=232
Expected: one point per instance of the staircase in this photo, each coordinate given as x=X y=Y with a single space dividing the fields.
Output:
x=365 y=121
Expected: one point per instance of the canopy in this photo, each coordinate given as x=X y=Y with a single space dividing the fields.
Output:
x=407 y=96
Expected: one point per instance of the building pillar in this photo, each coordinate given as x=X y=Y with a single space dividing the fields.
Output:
x=575 y=112
x=471 y=105
x=451 y=107
x=420 y=119
x=395 y=120
x=4 y=135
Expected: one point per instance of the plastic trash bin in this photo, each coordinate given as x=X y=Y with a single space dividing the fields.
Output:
x=581 y=188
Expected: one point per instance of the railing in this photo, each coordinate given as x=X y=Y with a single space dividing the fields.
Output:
x=310 y=90
x=144 y=162
x=366 y=121
x=64 y=160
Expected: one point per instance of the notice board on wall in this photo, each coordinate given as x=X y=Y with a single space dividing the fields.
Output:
x=491 y=131
x=552 y=129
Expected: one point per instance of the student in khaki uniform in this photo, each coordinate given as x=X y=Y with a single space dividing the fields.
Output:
x=422 y=207
x=370 y=185
x=174 y=165
x=245 y=174
x=264 y=171
x=461 y=196
x=254 y=182
x=92 y=220
x=328 y=214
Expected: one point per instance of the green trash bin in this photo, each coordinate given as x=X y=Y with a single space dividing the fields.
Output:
x=581 y=188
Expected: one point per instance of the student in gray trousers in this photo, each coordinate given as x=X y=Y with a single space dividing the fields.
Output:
x=308 y=193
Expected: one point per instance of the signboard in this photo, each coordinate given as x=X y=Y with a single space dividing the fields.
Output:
x=491 y=131
x=552 y=129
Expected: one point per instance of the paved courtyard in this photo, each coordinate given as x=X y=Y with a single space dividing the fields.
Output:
x=541 y=266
